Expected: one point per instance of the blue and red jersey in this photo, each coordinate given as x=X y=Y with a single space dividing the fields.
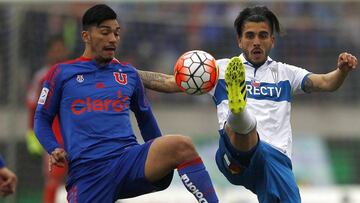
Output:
x=93 y=104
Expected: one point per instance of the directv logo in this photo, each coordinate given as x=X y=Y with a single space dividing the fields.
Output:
x=280 y=91
x=264 y=90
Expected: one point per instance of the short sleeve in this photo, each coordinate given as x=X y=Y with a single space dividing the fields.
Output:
x=297 y=76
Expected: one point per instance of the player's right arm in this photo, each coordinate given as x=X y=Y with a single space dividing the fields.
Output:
x=47 y=108
x=159 y=82
x=32 y=96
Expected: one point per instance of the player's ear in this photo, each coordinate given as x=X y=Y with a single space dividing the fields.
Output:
x=273 y=41
x=85 y=35
x=239 y=42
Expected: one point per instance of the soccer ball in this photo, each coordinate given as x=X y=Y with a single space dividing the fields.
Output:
x=196 y=72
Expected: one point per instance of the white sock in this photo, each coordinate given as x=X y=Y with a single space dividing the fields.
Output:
x=241 y=123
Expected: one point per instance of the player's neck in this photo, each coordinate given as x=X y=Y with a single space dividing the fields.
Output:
x=88 y=54
x=254 y=65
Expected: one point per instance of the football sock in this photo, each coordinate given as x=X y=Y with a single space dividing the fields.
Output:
x=196 y=179
x=241 y=123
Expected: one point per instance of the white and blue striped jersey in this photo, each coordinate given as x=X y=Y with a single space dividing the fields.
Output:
x=269 y=91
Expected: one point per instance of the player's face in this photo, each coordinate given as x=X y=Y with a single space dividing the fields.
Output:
x=256 y=42
x=103 y=40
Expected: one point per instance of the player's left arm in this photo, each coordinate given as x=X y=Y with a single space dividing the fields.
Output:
x=333 y=80
x=144 y=116
x=159 y=82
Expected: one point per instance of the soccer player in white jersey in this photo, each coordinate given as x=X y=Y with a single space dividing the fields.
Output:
x=253 y=99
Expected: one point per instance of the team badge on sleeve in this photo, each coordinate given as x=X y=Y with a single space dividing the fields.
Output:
x=43 y=95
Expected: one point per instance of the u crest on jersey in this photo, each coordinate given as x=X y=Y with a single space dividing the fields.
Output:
x=120 y=78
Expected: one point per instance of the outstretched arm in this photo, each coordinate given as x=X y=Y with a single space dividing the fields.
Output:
x=158 y=81
x=333 y=80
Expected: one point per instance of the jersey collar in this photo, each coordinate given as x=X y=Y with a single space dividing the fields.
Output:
x=113 y=61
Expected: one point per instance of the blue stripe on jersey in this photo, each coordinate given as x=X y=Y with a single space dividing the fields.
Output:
x=303 y=82
x=278 y=92
x=220 y=92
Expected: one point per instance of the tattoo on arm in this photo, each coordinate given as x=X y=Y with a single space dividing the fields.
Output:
x=308 y=85
x=158 y=81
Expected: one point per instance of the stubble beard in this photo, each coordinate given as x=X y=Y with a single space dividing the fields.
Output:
x=103 y=60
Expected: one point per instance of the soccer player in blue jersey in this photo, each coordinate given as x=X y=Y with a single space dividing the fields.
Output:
x=253 y=100
x=93 y=96
x=8 y=180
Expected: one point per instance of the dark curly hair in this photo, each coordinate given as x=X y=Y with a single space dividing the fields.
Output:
x=256 y=14
x=96 y=15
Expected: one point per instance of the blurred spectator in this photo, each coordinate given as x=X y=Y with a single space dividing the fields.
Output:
x=56 y=53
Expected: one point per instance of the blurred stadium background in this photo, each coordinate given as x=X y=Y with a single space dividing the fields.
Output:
x=326 y=126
